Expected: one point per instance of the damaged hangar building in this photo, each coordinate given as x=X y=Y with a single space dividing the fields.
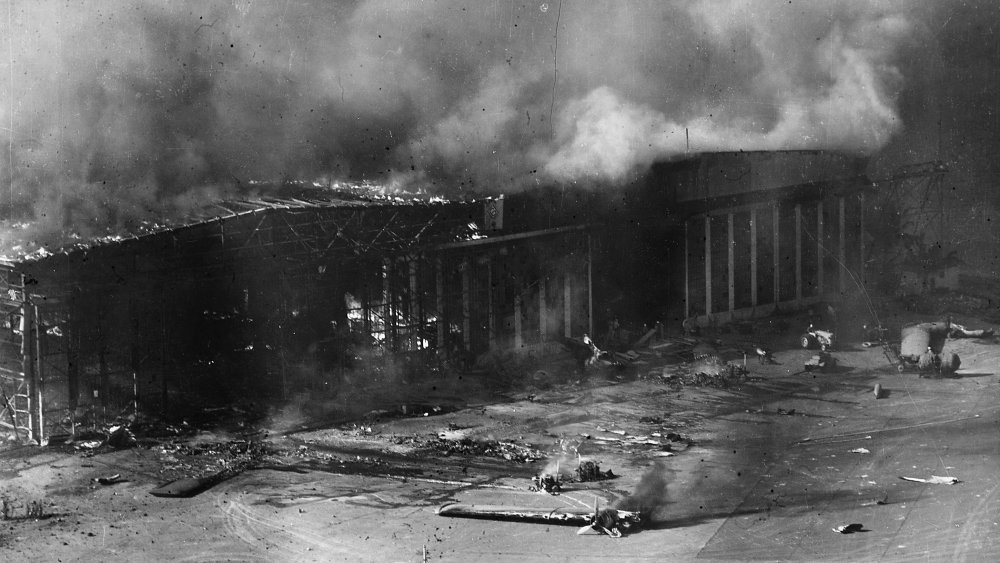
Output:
x=308 y=292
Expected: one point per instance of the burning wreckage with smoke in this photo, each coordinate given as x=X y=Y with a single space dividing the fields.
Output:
x=344 y=291
x=350 y=290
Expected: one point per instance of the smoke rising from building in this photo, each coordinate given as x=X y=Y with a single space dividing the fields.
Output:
x=113 y=117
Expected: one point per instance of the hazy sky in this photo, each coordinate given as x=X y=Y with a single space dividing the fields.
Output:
x=112 y=112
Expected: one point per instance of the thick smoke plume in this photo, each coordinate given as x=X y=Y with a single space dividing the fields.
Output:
x=650 y=495
x=114 y=116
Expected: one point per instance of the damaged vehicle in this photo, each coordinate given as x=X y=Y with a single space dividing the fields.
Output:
x=816 y=338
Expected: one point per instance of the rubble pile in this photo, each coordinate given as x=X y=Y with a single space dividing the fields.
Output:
x=231 y=457
x=591 y=471
x=347 y=462
x=487 y=448
x=708 y=371
x=122 y=436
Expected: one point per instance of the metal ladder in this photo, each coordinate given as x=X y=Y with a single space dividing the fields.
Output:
x=15 y=400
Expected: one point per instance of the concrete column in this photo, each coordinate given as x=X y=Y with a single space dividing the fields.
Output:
x=542 y=310
x=567 y=306
x=518 y=335
x=842 y=248
x=466 y=305
x=819 y=247
x=731 y=263
x=753 y=256
x=387 y=308
x=708 y=265
x=776 y=245
x=861 y=237
x=687 y=273
x=439 y=294
x=798 y=252
x=416 y=319
x=491 y=325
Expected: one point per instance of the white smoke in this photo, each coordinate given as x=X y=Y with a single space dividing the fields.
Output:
x=845 y=101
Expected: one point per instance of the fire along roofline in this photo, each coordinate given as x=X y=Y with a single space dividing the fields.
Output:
x=233 y=209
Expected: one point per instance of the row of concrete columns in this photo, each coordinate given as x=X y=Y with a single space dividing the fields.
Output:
x=543 y=308
x=841 y=254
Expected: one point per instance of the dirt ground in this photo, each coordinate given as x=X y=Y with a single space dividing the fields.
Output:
x=762 y=470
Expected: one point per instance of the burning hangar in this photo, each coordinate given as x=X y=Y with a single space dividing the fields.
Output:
x=303 y=294
x=737 y=235
x=275 y=296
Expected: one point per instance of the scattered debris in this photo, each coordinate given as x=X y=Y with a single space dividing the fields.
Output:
x=591 y=471
x=657 y=328
x=586 y=352
x=488 y=448
x=88 y=444
x=705 y=371
x=236 y=457
x=678 y=442
x=849 y=528
x=820 y=362
x=934 y=480
x=878 y=501
x=651 y=439
x=764 y=356
x=420 y=410
x=111 y=480
x=959 y=331
x=120 y=437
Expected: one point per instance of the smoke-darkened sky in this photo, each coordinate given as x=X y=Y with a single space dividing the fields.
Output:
x=116 y=112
